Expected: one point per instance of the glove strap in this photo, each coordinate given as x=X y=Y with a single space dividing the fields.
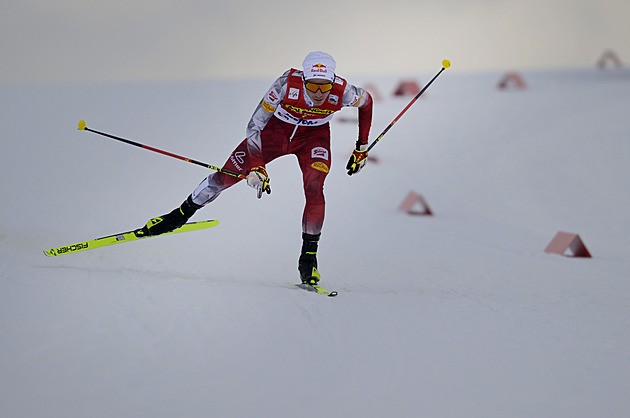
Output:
x=359 y=156
x=262 y=171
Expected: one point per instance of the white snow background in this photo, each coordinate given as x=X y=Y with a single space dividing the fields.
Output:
x=460 y=314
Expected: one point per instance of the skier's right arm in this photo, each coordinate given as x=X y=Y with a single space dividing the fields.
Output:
x=263 y=112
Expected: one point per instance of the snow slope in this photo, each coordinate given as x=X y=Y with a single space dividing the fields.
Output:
x=460 y=314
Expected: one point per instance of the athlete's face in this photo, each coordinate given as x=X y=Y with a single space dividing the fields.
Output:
x=318 y=97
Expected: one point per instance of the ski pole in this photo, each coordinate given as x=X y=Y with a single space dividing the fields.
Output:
x=445 y=65
x=83 y=127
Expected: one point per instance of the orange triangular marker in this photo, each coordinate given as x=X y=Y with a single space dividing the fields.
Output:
x=407 y=88
x=414 y=204
x=513 y=79
x=565 y=241
x=609 y=57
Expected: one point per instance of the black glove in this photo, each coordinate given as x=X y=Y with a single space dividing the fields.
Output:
x=170 y=221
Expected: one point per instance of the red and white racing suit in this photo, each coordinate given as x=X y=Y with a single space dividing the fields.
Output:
x=287 y=122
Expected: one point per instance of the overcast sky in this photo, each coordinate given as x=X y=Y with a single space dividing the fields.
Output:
x=129 y=40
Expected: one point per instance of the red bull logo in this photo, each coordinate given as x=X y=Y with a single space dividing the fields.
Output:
x=319 y=68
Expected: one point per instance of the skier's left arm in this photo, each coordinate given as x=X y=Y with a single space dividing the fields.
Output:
x=357 y=97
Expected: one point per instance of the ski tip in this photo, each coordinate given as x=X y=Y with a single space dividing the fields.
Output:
x=49 y=253
x=82 y=125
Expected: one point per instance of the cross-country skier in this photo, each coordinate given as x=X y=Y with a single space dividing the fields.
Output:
x=292 y=118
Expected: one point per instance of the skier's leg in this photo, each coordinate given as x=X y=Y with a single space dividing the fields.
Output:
x=314 y=157
x=207 y=191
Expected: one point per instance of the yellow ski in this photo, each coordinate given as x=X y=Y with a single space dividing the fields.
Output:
x=123 y=237
x=316 y=288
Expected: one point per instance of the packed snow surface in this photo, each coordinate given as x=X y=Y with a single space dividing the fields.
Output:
x=460 y=314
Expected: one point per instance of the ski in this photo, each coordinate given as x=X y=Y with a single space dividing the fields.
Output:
x=123 y=237
x=316 y=288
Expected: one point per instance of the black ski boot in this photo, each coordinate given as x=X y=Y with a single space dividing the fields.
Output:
x=171 y=221
x=307 y=264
